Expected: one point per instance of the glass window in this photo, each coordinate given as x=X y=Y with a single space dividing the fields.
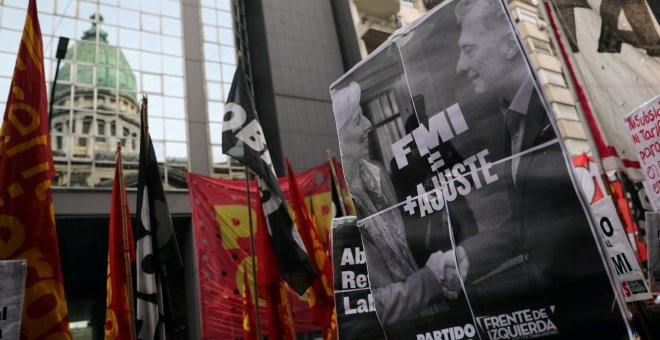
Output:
x=151 y=62
x=173 y=86
x=151 y=41
x=208 y=17
x=156 y=128
x=65 y=27
x=129 y=19
x=225 y=19
x=528 y=16
x=215 y=131
x=152 y=6
x=172 y=65
x=10 y=40
x=129 y=38
x=174 y=107
x=172 y=46
x=212 y=71
x=155 y=105
x=175 y=130
x=86 y=10
x=211 y=52
x=172 y=26
x=150 y=22
x=151 y=83
x=228 y=55
x=228 y=72
x=171 y=8
x=132 y=4
x=176 y=152
x=85 y=74
x=210 y=34
x=109 y=14
x=7 y=60
x=540 y=46
x=226 y=36
x=224 y=4
x=44 y=6
x=214 y=91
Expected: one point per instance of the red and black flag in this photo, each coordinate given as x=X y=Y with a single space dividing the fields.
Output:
x=243 y=139
x=158 y=256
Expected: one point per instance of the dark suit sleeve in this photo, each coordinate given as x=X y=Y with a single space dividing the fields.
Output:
x=489 y=248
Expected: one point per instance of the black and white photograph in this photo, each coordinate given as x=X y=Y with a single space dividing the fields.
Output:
x=469 y=216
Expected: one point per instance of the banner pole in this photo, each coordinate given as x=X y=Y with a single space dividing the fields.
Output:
x=333 y=173
x=127 y=253
x=254 y=251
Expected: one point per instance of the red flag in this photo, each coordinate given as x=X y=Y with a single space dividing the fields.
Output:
x=249 y=318
x=271 y=287
x=267 y=270
x=320 y=296
x=27 y=221
x=121 y=253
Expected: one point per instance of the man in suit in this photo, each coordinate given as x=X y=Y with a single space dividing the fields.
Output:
x=544 y=254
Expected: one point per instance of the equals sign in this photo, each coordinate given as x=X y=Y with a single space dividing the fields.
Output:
x=3 y=315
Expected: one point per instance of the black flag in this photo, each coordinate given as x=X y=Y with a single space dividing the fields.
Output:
x=243 y=139
x=157 y=251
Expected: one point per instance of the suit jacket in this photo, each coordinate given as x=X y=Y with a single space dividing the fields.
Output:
x=547 y=238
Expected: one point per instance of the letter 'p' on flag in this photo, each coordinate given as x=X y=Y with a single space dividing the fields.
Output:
x=27 y=220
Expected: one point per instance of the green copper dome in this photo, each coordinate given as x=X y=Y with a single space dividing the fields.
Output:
x=113 y=69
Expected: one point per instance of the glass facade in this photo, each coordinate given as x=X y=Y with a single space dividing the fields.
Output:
x=219 y=53
x=118 y=51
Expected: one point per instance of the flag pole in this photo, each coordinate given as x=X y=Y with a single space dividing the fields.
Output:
x=127 y=252
x=333 y=173
x=254 y=252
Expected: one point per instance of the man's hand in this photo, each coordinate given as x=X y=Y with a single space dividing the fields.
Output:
x=436 y=263
x=453 y=276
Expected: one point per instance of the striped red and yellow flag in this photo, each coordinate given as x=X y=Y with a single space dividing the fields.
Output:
x=320 y=295
x=121 y=253
x=27 y=220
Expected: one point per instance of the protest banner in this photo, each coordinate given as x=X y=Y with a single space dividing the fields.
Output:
x=470 y=218
x=644 y=127
x=12 y=290
x=612 y=50
x=621 y=259
x=222 y=243
x=356 y=315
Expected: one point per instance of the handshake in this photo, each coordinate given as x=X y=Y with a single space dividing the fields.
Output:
x=443 y=266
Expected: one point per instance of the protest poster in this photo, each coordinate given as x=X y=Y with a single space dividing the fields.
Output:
x=644 y=127
x=12 y=290
x=356 y=315
x=624 y=267
x=653 y=243
x=613 y=48
x=470 y=218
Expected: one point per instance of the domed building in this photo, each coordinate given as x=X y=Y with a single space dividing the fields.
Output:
x=104 y=114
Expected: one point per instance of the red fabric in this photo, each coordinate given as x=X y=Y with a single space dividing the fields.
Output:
x=222 y=241
x=249 y=318
x=604 y=150
x=27 y=221
x=632 y=230
x=118 y=316
x=320 y=296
